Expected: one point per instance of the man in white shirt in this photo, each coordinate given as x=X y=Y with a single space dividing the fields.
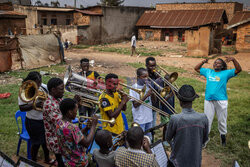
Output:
x=142 y=114
x=133 y=45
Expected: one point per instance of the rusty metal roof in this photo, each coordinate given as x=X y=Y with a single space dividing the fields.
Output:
x=87 y=12
x=239 y=18
x=11 y=14
x=181 y=18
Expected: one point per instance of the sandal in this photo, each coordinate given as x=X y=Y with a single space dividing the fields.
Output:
x=51 y=162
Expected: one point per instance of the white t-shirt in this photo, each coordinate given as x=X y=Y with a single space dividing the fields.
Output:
x=141 y=114
x=133 y=41
x=33 y=114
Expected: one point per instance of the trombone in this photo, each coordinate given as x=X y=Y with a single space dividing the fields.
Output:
x=111 y=122
x=172 y=77
x=141 y=92
x=143 y=103
x=161 y=98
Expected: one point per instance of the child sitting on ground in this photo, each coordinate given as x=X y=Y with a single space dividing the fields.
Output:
x=104 y=156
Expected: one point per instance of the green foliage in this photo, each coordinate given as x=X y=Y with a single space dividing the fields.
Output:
x=81 y=46
x=111 y=2
x=127 y=51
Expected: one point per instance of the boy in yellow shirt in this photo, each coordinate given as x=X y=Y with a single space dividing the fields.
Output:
x=111 y=104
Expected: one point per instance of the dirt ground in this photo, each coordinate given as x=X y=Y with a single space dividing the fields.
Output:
x=117 y=63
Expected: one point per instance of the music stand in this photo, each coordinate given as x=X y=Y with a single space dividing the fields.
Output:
x=160 y=153
x=6 y=161
x=23 y=162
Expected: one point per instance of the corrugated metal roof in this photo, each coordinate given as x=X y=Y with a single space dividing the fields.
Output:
x=239 y=18
x=53 y=9
x=11 y=14
x=181 y=18
x=87 y=12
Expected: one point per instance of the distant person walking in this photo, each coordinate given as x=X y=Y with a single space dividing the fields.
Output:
x=133 y=45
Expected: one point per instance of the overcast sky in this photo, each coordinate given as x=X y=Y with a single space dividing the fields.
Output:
x=146 y=3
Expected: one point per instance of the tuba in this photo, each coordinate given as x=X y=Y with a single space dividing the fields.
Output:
x=89 y=90
x=29 y=92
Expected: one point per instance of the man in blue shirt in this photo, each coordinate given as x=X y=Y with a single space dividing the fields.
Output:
x=216 y=99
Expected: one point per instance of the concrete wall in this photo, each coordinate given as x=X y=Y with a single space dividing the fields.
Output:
x=17 y=26
x=230 y=7
x=31 y=19
x=59 y=16
x=116 y=24
x=198 y=42
x=68 y=32
x=243 y=38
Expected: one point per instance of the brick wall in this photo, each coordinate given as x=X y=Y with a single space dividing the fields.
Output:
x=6 y=6
x=243 y=38
x=198 y=42
x=230 y=8
x=149 y=34
x=80 y=19
x=17 y=26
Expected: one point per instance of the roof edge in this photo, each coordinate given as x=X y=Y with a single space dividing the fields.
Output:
x=239 y=23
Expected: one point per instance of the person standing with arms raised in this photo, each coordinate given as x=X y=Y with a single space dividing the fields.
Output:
x=216 y=99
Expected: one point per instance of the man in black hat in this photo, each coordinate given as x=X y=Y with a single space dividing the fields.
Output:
x=187 y=131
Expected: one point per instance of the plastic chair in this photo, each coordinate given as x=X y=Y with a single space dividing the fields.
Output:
x=23 y=135
x=125 y=121
x=75 y=121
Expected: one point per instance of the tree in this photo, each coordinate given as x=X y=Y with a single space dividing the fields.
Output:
x=111 y=2
x=38 y=3
x=212 y=1
x=55 y=3
x=46 y=4
x=81 y=6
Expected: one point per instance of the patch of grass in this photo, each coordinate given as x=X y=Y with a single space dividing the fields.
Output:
x=238 y=116
x=81 y=46
x=167 y=68
x=127 y=51
x=51 y=71
x=228 y=50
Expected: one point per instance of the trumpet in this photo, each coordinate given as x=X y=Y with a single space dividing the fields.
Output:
x=29 y=92
x=141 y=92
x=111 y=122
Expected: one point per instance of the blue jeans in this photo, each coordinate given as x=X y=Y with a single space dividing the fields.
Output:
x=145 y=127
x=154 y=119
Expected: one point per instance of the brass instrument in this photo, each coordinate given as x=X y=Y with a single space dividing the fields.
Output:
x=141 y=92
x=29 y=92
x=111 y=122
x=162 y=99
x=89 y=90
x=172 y=77
x=145 y=104
x=120 y=139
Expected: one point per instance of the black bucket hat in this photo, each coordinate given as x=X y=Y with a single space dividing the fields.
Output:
x=187 y=93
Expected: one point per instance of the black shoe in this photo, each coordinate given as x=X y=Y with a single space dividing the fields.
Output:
x=223 y=140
